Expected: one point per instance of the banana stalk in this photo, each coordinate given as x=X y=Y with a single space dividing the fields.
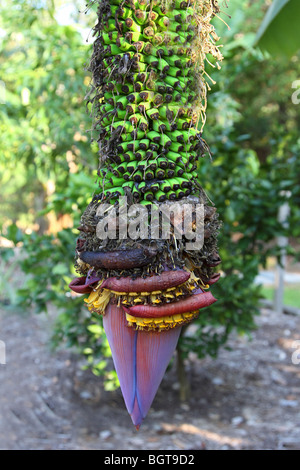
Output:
x=149 y=100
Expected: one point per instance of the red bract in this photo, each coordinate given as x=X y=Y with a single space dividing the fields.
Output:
x=160 y=282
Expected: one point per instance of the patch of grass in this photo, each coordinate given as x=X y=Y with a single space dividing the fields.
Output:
x=291 y=294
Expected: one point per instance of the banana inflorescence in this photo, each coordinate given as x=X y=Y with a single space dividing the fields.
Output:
x=148 y=100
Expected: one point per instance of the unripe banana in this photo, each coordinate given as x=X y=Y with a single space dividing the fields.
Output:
x=116 y=191
x=154 y=186
x=160 y=196
x=132 y=166
x=149 y=196
x=142 y=187
x=138 y=176
x=113 y=182
x=140 y=16
x=144 y=143
x=128 y=184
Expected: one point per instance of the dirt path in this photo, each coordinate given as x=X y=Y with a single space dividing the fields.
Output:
x=248 y=398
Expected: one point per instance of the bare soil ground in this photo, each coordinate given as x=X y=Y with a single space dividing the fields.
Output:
x=249 y=398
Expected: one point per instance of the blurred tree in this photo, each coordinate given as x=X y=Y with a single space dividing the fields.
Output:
x=43 y=125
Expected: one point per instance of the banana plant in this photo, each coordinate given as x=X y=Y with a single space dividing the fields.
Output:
x=148 y=98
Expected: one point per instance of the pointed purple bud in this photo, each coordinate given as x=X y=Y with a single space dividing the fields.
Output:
x=140 y=359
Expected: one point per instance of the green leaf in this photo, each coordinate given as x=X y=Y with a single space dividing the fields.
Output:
x=278 y=33
x=60 y=269
x=14 y=233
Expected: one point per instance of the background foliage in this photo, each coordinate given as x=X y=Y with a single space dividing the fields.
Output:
x=278 y=31
x=48 y=168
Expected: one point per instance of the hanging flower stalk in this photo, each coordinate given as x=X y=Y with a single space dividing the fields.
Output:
x=149 y=101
